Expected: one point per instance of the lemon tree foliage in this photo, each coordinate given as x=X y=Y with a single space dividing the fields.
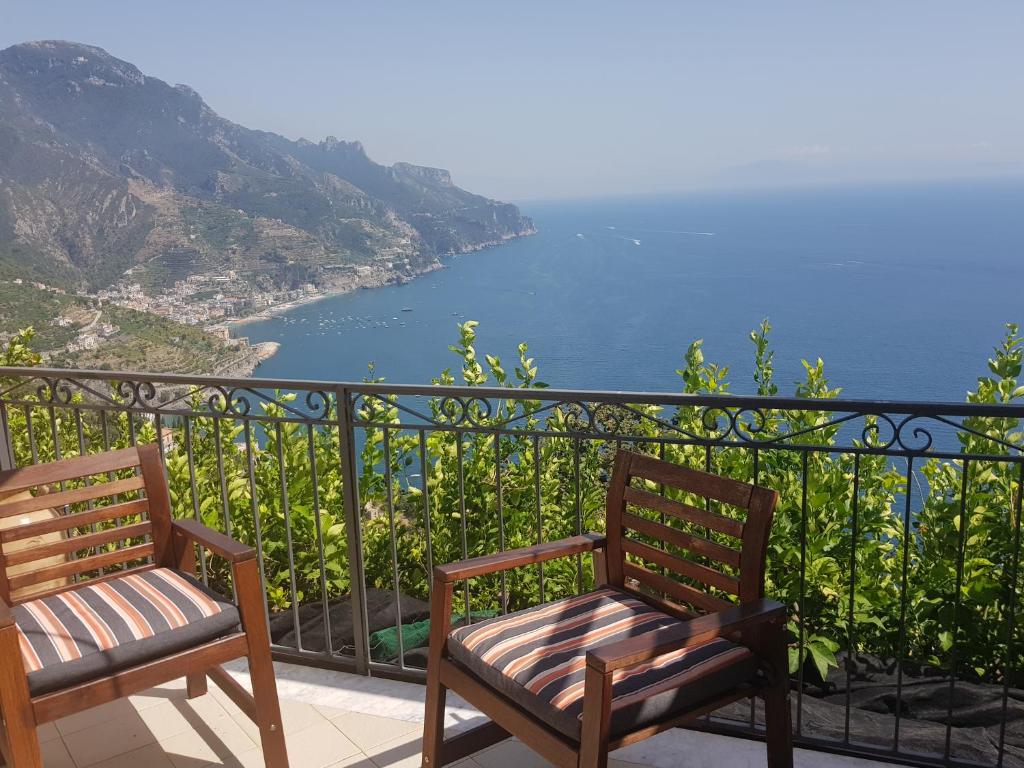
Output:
x=933 y=581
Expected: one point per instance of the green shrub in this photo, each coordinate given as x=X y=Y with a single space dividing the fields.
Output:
x=945 y=566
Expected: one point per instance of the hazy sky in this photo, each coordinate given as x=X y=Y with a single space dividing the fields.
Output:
x=549 y=99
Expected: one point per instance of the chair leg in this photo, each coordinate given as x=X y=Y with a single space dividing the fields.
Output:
x=433 y=722
x=597 y=700
x=16 y=705
x=195 y=685
x=24 y=750
x=261 y=667
x=779 y=727
x=777 y=718
x=268 y=709
x=433 y=719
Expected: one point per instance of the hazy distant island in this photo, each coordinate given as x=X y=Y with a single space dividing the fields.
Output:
x=120 y=191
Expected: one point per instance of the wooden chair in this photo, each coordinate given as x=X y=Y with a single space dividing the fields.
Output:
x=652 y=648
x=116 y=632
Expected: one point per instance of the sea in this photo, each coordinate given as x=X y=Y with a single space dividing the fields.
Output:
x=903 y=290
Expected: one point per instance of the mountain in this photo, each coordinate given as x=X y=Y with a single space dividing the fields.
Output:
x=104 y=169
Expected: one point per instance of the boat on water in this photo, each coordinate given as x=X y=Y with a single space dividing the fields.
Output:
x=407 y=309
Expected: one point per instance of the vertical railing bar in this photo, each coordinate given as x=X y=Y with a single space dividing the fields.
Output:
x=80 y=432
x=33 y=446
x=756 y=472
x=105 y=429
x=904 y=589
x=578 y=499
x=353 y=527
x=1011 y=629
x=462 y=515
x=132 y=436
x=540 y=513
x=90 y=503
x=158 y=421
x=390 y=498
x=854 y=508
x=961 y=547
x=6 y=440
x=108 y=445
x=707 y=499
x=257 y=523
x=283 y=479
x=803 y=594
x=58 y=452
x=662 y=517
x=503 y=576
x=424 y=470
x=218 y=450
x=318 y=527
x=132 y=440
x=158 y=426
x=57 y=456
x=190 y=459
x=707 y=531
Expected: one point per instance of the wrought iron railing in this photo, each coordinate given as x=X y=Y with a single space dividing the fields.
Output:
x=896 y=542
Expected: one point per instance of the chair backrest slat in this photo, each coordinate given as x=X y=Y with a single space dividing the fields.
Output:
x=665 y=545
x=75 y=520
x=24 y=478
x=682 y=511
x=111 y=513
x=81 y=565
x=78 y=543
x=696 y=544
x=676 y=590
x=73 y=496
x=723 y=489
x=683 y=567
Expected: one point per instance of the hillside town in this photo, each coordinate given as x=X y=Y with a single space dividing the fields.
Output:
x=200 y=299
x=211 y=301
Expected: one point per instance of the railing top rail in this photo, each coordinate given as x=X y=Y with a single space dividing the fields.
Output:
x=920 y=408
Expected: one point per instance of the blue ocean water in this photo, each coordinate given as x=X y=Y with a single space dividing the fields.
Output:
x=902 y=290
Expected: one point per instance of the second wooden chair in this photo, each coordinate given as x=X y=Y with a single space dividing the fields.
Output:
x=679 y=628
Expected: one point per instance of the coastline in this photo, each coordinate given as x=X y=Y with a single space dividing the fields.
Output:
x=327 y=293
x=378 y=281
x=265 y=350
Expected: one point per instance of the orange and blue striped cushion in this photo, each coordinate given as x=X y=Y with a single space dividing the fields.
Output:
x=103 y=627
x=537 y=657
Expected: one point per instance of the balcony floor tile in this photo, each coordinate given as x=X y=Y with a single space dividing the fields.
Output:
x=336 y=720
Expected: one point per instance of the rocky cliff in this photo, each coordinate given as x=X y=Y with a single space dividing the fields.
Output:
x=104 y=169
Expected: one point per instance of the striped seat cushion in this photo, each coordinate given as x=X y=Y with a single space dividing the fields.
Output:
x=97 y=629
x=537 y=657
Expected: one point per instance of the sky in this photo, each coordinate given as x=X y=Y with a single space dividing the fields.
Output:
x=532 y=100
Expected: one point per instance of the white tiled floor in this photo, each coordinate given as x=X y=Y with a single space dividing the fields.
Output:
x=332 y=720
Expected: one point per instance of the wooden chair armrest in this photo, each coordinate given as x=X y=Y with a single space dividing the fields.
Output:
x=216 y=542
x=633 y=650
x=6 y=617
x=514 y=558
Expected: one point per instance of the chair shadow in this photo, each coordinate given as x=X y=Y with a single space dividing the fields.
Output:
x=179 y=700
